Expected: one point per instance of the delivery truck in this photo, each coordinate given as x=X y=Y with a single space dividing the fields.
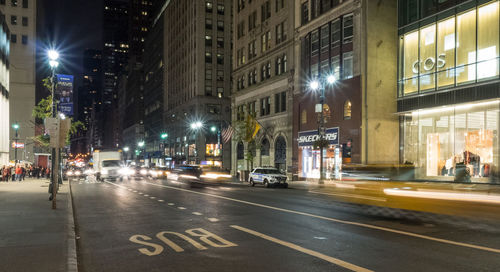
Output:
x=107 y=164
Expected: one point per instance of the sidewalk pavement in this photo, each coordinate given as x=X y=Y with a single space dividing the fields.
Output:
x=33 y=236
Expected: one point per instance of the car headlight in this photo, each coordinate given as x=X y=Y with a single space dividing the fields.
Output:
x=69 y=173
x=144 y=172
x=77 y=173
x=104 y=171
x=123 y=171
x=131 y=172
x=88 y=172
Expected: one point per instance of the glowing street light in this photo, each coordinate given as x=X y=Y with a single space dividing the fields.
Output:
x=126 y=149
x=196 y=125
x=164 y=135
x=140 y=144
x=53 y=54
x=213 y=129
x=314 y=85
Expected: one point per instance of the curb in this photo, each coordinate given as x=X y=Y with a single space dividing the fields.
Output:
x=72 y=262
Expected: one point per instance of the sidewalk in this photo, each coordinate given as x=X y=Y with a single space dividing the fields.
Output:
x=33 y=236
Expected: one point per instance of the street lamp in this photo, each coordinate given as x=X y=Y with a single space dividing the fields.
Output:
x=315 y=85
x=195 y=126
x=16 y=127
x=53 y=63
x=140 y=144
x=126 y=149
x=163 y=136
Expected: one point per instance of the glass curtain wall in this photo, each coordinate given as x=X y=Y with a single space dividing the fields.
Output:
x=437 y=140
x=457 y=50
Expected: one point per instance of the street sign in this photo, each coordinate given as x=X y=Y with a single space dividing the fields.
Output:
x=17 y=145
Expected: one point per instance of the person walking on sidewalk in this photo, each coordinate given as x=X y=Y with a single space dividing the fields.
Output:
x=23 y=173
x=3 y=172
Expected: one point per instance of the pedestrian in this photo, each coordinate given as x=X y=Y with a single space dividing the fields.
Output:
x=19 y=172
x=6 y=173
x=2 y=172
x=47 y=173
x=13 y=173
x=23 y=173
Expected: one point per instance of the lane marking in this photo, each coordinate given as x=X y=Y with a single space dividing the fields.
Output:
x=134 y=191
x=212 y=219
x=197 y=213
x=146 y=195
x=374 y=198
x=181 y=208
x=171 y=204
x=430 y=238
x=161 y=200
x=313 y=253
x=140 y=193
x=152 y=197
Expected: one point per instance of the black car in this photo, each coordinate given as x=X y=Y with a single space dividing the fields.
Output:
x=186 y=173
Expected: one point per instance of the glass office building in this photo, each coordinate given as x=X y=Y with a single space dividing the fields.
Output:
x=448 y=87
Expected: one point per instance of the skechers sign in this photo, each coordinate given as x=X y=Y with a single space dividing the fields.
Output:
x=307 y=138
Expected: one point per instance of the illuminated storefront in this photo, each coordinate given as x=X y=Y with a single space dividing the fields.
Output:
x=448 y=91
x=309 y=157
x=457 y=50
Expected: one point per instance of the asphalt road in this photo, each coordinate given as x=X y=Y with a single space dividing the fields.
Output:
x=151 y=225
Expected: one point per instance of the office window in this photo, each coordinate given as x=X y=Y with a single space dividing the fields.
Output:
x=208 y=40
x=208 y=90
x=252 y=108
x=265 y=41
x=13 y=38
x=265 y=106
x=280 y=102
x=220 y=9
x=268 y=69
x=2 y=2
x=209 y=6
x=315 y=8
x=279 y=4
x=325 y=39
x=348 y=28
x=347 y=65
x=347 y=110
x=252 y=77
x=487 y=41
x=241 y=5
x=220 y=92
x=284 y=67
x=335 y=33
x=13 y=3
x=265 y=11
x=335 y=62
x=240 y=113
x=281 y=32
x=304 y=13
x=220 y=75
x=220 y=42
x=208 y=23
x=240 y=56
x=241 y=29
x=25 y=3
x=220 y=58
x=208 y=57
x=252 y=20
x=25 y=21
x=24 y=39
x=263 y=72
x=220 y=26
x=13 y=20
x=252 y=51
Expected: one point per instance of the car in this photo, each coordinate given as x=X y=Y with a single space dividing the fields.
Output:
x=74 y=173
x=189 y=173
x=215 y=174
x=268 y=177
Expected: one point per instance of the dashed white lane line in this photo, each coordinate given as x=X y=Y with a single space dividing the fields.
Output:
x=181 y=208
x=152 y=197
x=197 y=213
x=316 y=254
x=140 y=193
x=171 y=204
x=212 y=219
x=146 y=195
x=352 y=223
x=134 y=191
x=161 y=200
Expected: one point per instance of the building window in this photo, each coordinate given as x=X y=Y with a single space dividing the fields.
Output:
x=264 y=148
x=265 y=41
x=303 y=117
x=335 y=33
x=284 y=67
x=13 y=3
x=208 y=57
x=220 y=9
x=252 y=108
x=347 y=110
x=280 y=32
x=252 y=77
x=280 y=102
x=335 y=63
x=2 y=2
x=265 y=106
x=208 y=40
x=252 y=51
x=208 y=90
x=13 y=20
x=279 y=4
x=220 y=92
x=268 y=69
x=241 y=5
x=240 y=56
x=304 y=10
x=347 y=28
x=265 y=11
x=240 y=151
x=13 y=38
x=25 y=3
x=220 y=59
x=220 y=42
x=220 y=25
x=347 y=65
x=241 y=29
x=209 y=6
x=315 y=9
x=252 y=20
x=208 y=23
x=278 y=66
x=240 y=113
x=25 y=21
x=24 y=39
x=220 y=75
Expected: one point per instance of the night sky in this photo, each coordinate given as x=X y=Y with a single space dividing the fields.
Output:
x=73 y=26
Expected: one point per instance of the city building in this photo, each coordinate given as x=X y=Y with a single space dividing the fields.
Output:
x=355 y=41
x=21 y=20
x=153 y=92
x=197 y=60
x=263 y=77
x=448 y=91
x=114 y=60
x=5 y=127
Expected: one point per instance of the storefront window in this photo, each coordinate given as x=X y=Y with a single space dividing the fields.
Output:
x=410 y=59
x=427 y=60
x=487 y=41
x=441 y=140
x=213 y=150
x=466 y=47
x=445 y=60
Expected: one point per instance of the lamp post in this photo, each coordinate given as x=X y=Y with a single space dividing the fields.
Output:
x=53 y=57
x=163 y=136
x=141 y=145
x=321 y=85
x=15 y=127
x=195 y=126
x=126 y=149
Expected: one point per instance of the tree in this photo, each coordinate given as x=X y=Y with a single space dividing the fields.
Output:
x=243 y=131
x=43 y=110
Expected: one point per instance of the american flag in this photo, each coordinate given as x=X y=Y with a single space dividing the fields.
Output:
x=227 y=133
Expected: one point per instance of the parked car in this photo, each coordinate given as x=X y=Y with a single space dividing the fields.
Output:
x=268 y=177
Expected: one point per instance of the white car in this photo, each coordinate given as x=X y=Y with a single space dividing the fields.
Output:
x=268 y=177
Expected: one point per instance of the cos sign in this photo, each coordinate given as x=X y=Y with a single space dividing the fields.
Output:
x=429 y=63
